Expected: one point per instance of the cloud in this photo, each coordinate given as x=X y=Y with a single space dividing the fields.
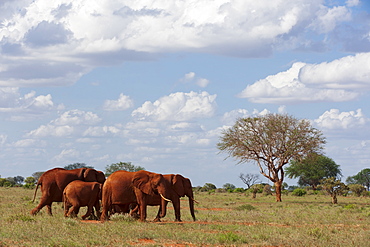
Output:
x=66 y=125
x=191 y=77
x=77 y=117
x=101 y=131
x=352 y=3
x=350 y=72
x=202 y=82
x=334 y=119
x=178 y=107
x=329 y=18
x=123 y=103
x=26 y=107
x=51 y=130
x=67 y=155
x=340 y=80
x=229 y=118
x=51 y=43
x=47 y=34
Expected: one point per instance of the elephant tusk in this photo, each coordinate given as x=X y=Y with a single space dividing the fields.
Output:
x=164 y=198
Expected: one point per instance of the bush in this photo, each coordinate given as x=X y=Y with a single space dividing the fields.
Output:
x=299 y=192
x=209 y=187
x=238 y=190
x=357 y=189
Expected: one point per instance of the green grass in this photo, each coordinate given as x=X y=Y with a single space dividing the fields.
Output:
x=224 y=219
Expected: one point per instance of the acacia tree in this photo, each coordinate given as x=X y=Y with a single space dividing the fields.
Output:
x=334 y=187
x=271 y=141
x=126 y=166
x=312 y=169
x=76 y=166
x=249 y=179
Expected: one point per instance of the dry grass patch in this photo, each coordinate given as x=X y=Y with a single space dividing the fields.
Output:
x=224 y=219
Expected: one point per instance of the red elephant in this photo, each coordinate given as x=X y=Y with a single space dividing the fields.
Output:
x=182 y=187
x=124 y=188
x=82 y=194
x=54 y=181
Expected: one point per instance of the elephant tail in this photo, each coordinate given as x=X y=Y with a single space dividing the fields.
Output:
x=64 y=199
x=37 y=186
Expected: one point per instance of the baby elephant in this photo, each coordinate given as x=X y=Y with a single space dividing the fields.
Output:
x=82 y=194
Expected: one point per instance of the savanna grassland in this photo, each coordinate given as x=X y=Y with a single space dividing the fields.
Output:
x=224 y=219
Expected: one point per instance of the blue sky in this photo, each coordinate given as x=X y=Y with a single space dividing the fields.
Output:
x=155 y=82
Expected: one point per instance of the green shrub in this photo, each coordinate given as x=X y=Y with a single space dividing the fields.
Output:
x=299 y=192
x=350 y=206
x=228 y=237
x=238 y=190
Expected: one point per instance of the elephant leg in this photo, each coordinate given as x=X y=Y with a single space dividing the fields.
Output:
x=134 y=212
x=162 y=209
x=70 y=211
x=66 y=210
x=88 y=212
x=97 y=209
x=49 y=209
x=43 y=203
x=104 y=214
x=158 y=217
x=35 y=211
x=176 y=206
x=142 y=210
x=161 y=213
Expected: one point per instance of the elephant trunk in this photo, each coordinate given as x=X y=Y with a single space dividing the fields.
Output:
x=191 y=206
x=163 y=207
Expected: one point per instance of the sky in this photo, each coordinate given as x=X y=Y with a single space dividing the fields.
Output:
x=154 y=82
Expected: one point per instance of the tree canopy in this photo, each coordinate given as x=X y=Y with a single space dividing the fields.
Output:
x=271 y=141
x=312 y=169
x=334 y=187
x=76 y=166
x=127 y=166
x=363 y=178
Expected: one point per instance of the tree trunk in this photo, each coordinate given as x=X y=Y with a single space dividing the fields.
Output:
x=334 y=199
x=278 y=186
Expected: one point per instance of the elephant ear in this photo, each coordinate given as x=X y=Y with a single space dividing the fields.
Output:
x=100 y=177
x=141 y=180
x=178 y=185
x=81 y=173
x=90 y=175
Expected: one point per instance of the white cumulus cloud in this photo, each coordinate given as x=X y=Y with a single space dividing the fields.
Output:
x=66 y=125
x=77 y=117
x=192 y=78
x=334 y=119
x=343 y=79
x=57 y=44
x=178 y=107
x=27 y=106
x=124 y=102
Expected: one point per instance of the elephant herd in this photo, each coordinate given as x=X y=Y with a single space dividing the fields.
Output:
x=121 y=192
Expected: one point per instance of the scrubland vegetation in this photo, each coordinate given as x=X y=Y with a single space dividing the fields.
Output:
x=224 y=219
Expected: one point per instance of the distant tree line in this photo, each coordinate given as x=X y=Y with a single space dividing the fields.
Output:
x=31 y=181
